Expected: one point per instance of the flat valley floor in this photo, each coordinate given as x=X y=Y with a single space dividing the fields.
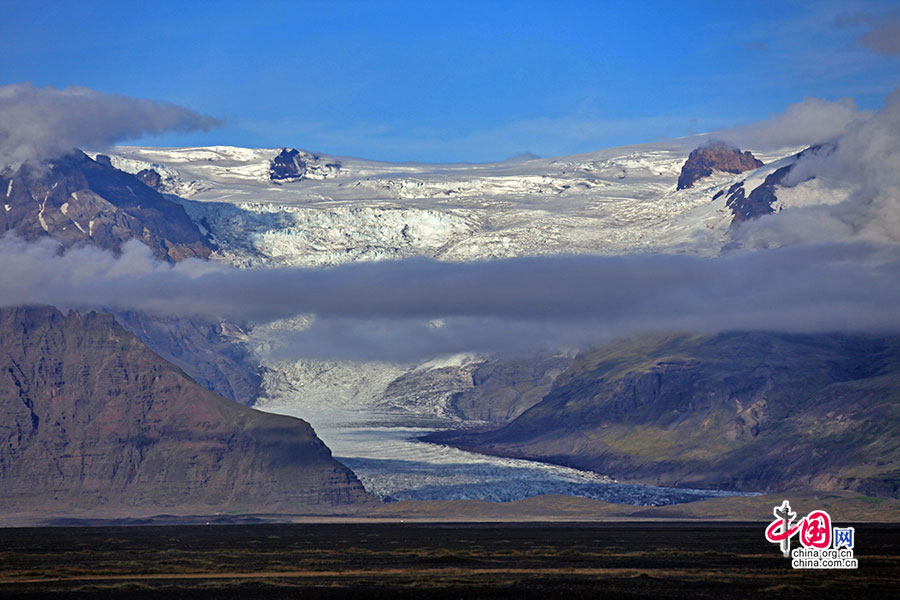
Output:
x=434 y=561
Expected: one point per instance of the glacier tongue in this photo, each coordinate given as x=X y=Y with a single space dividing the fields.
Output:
x=382 y=449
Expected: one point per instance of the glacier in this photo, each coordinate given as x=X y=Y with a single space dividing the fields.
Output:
x=615 y=201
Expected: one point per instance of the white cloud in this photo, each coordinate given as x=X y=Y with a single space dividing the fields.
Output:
x=809 y=122
x=385 y=310
x=45 y=123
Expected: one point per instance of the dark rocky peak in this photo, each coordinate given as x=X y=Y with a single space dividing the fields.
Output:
x=287 y=165
x=759 y=202
x=294 y=165
x=76 y=200
x=716 y=156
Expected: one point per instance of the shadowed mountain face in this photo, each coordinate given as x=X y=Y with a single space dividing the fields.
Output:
x=502 y=390
x=75 y=199
x=91 y=420
x=715 y=157
x=212 y=353
x=746 y=411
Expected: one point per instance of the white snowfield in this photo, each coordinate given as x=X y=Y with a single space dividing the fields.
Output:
x=608 y=202
x=614 y=201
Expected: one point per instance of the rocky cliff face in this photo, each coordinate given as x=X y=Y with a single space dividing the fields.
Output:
x=715 y=157
x=150 y=178
x=746 y=411
x=76 y=200
x=91 y=420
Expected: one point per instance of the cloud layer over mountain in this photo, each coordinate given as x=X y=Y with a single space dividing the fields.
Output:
x=44 y=123
x=861 y=166
x=414 y=308
x=828 y=267
x=811 y=121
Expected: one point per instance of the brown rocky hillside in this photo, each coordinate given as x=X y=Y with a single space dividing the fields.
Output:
x=91 y=420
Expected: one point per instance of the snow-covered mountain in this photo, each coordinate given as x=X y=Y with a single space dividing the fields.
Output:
x=608 y=202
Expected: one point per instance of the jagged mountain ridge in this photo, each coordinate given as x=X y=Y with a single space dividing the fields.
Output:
x=749 y=199
x=95 y=422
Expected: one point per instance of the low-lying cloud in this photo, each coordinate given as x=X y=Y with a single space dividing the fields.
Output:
x=44 y=123
x=419 y=308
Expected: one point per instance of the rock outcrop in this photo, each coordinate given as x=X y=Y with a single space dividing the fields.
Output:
x=77 y=200
x=293 y=165
x=502 y=390
x=92 y=422
x=744 y=411
x=715 y=157
x=150 y=178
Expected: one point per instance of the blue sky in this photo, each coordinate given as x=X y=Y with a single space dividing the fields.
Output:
x=453 y=81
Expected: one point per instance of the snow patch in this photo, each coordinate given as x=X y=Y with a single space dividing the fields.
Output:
x=40 y=215
x=453 y=361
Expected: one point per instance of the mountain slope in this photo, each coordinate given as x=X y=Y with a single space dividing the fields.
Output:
x=746 y=411
x=75 y=199
x=212 y=353
x=94 y=421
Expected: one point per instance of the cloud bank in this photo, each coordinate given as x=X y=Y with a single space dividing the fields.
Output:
x=390 y=310
x=881 y=32
x=809 y=122
x=861 y=168
x=45 y=123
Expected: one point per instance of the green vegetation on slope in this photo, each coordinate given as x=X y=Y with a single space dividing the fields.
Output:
x=752 y=411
